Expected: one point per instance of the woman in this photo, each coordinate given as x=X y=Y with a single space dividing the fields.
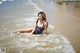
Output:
x=41 y=25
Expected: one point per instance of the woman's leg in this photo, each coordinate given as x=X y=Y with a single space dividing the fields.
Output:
x=28 y=30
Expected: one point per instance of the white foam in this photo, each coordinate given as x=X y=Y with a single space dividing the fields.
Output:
x=25 y=40
x=30 y=3
x=30 y=19
x=5 y=1
x=38 y=8
x=51 y=26
x=33 y=44
x=6 y=43
x=1 y=2
x=1 y=38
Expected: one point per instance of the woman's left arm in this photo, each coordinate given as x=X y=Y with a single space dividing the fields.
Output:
x=45 y=26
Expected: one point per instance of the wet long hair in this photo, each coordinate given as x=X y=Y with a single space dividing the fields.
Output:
x=43 y=16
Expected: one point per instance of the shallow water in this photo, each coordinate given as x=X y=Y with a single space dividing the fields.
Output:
x=23 y=16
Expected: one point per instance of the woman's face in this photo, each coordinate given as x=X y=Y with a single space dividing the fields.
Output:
x=40 y=16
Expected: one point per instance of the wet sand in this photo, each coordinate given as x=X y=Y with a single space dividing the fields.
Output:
x=66 y=20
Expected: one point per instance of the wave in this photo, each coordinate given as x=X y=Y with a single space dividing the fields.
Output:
x=51 y=43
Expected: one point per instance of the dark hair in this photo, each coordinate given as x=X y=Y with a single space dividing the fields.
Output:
x=43 y=15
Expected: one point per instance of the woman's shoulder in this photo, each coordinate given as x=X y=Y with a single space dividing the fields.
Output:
x=45 y=22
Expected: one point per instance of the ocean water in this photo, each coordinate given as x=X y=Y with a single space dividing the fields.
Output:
x=21 y=14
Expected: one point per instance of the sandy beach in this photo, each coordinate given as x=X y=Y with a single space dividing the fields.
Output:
x=66 y=20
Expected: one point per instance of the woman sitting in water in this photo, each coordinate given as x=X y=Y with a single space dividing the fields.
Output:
x=41 y=25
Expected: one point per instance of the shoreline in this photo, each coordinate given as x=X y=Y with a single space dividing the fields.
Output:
x=66 y=23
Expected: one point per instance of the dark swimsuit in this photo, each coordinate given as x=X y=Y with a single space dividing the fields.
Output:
x=39 y=30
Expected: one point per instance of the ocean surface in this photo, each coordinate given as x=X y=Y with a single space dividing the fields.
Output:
x=22 y=14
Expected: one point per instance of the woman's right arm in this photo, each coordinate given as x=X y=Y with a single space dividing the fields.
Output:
x=33 y=29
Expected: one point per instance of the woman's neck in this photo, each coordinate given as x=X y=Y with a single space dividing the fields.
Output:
x=40 y=20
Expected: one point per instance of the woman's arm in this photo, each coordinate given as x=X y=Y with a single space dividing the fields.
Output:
x=45 y=26
x=33 y=29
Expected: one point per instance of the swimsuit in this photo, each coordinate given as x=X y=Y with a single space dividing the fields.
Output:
x=38 y=29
